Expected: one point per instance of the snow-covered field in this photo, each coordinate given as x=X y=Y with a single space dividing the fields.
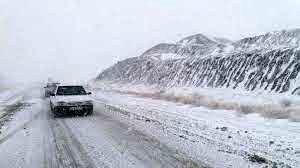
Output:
x=219 y=136
x=268 y=105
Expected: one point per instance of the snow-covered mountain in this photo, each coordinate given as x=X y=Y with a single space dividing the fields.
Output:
x=192 y=46
x=268 y=62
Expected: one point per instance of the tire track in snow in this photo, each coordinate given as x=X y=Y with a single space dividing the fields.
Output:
x=69 y=151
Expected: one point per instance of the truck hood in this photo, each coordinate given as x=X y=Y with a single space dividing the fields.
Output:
x=71 y=99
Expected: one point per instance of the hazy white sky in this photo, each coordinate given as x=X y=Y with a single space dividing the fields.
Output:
x=76 y=39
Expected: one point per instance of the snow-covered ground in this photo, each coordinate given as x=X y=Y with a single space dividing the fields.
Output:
x=31 y=137
x=268 y=105
x=221 y=136
x=137 y=130
x=8 y=97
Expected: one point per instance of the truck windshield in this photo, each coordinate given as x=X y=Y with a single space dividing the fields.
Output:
x=70 y=90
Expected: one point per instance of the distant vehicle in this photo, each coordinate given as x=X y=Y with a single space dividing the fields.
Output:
x=50 y=88
x=71 y=99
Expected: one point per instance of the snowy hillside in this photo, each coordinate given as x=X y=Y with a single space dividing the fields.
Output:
x=271 y=40
x=267 y=62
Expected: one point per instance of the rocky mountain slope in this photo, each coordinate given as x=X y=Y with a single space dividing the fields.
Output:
x=268 y=62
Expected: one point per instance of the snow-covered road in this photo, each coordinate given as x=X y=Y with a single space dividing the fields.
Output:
x=31 y=137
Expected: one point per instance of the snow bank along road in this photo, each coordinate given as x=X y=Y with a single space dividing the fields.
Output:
x=31 y=137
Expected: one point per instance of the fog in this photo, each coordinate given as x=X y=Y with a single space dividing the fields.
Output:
x=73 y=40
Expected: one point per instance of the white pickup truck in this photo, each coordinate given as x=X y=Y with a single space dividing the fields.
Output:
x=71 y=99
